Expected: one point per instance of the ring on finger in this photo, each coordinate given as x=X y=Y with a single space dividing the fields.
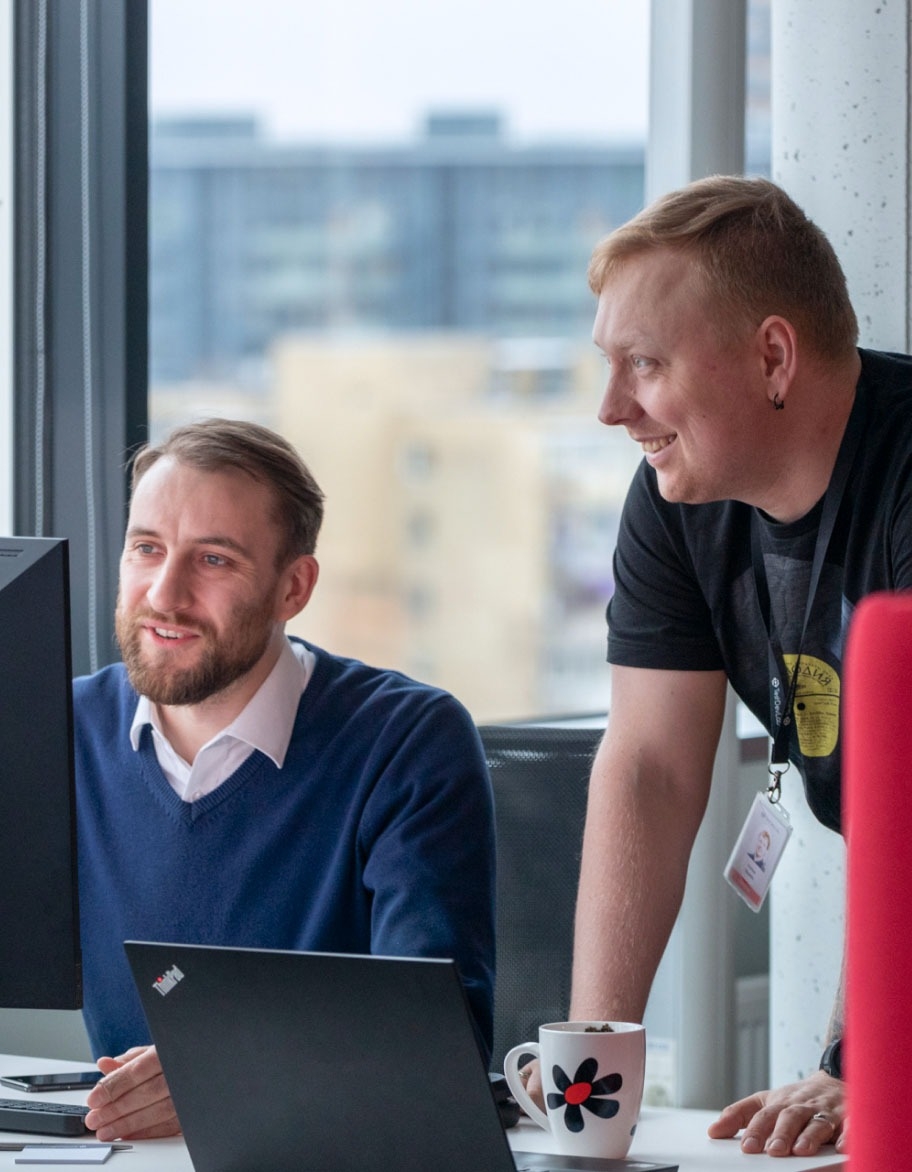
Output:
x=822 y=1117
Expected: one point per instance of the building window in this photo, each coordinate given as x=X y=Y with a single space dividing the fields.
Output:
x=360 y=240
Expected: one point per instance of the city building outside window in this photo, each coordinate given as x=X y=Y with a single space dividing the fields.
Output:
x=369 y=229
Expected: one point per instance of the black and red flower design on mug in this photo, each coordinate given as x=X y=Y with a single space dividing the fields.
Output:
x=584 y=1090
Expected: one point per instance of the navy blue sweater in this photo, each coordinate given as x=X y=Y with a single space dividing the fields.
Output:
x=376 y=836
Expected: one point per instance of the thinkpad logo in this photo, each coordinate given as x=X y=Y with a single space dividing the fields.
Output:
x=166 y=982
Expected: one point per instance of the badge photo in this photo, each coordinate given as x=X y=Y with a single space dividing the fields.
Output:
x=757 y=852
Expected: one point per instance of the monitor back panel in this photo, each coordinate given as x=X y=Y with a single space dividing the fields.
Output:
x=40 y=964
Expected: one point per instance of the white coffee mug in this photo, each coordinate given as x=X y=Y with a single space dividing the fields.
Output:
x=592 y=1079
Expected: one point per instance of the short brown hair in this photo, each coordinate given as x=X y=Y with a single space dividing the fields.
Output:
x=755 y=253
x=216 y=445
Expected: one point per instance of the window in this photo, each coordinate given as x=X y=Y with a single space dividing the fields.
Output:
x=370 y=227
x=81 y=297
x=431 y=218
x=381 y=252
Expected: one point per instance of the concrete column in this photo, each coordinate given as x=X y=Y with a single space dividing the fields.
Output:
x=840 y=98
x=840 y=147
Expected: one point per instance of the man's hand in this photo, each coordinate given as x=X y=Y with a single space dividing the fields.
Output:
x=132 y=1100
x=531 y=1076
x=795 y=1120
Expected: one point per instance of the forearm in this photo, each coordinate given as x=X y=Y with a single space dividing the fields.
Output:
x=631 y=884
x=647 y=795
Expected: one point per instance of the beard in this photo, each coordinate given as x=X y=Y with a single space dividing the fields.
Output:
x=222 y=663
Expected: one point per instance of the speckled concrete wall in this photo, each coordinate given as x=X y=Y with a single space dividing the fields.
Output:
x=806 y=929
x=840 y=102
x=840 y=99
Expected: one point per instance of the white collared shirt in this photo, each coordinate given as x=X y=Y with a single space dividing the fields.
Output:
x=265 y=724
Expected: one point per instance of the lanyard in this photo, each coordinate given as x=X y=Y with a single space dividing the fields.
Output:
x=782 y=710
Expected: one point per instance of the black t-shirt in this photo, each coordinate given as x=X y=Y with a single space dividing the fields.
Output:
x=686 y=598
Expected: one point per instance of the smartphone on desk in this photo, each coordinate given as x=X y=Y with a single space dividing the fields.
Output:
x=73 y=1080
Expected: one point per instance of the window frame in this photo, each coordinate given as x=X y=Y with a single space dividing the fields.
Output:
x=80 y=306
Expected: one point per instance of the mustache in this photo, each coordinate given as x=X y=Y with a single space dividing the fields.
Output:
x=147 y=616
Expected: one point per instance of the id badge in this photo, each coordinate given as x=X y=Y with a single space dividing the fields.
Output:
x=757 y=852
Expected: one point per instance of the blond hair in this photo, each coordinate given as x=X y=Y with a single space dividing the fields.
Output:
x=755 y=253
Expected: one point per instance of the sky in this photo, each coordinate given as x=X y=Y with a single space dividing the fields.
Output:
x=371 y=69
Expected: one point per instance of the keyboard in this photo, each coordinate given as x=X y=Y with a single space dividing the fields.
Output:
x=42 y=1118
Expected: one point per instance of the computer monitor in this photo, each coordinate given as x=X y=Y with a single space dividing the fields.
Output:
x=40 y=965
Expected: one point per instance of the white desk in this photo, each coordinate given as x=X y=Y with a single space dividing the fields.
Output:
x=674 y=1136
x=662 y=1136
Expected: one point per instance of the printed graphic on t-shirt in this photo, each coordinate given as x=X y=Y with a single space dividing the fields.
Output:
x=816 y=705
x=816 y=731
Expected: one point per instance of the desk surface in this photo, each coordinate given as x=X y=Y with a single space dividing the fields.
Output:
x=669 y=1135
x=663 y=1135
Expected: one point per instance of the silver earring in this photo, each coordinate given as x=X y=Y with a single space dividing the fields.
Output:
x=778 y=405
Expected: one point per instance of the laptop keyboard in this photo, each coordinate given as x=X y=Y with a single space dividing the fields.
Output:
x=42 y=1118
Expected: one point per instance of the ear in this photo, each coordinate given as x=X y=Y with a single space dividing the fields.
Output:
x=296 y=585
x=778 y=346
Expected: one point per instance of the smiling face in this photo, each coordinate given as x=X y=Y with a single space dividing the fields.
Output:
x=697 y=406
x=202 y=605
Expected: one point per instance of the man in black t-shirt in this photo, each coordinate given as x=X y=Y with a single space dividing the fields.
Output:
x=776 y=468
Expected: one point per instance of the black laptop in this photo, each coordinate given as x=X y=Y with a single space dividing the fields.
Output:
x=300 y=1061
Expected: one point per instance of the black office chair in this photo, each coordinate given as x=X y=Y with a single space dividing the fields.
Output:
x=540 y=777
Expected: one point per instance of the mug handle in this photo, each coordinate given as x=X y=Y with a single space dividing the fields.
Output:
x=518 y=1087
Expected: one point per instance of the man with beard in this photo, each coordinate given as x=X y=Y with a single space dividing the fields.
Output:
x=238 y=787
